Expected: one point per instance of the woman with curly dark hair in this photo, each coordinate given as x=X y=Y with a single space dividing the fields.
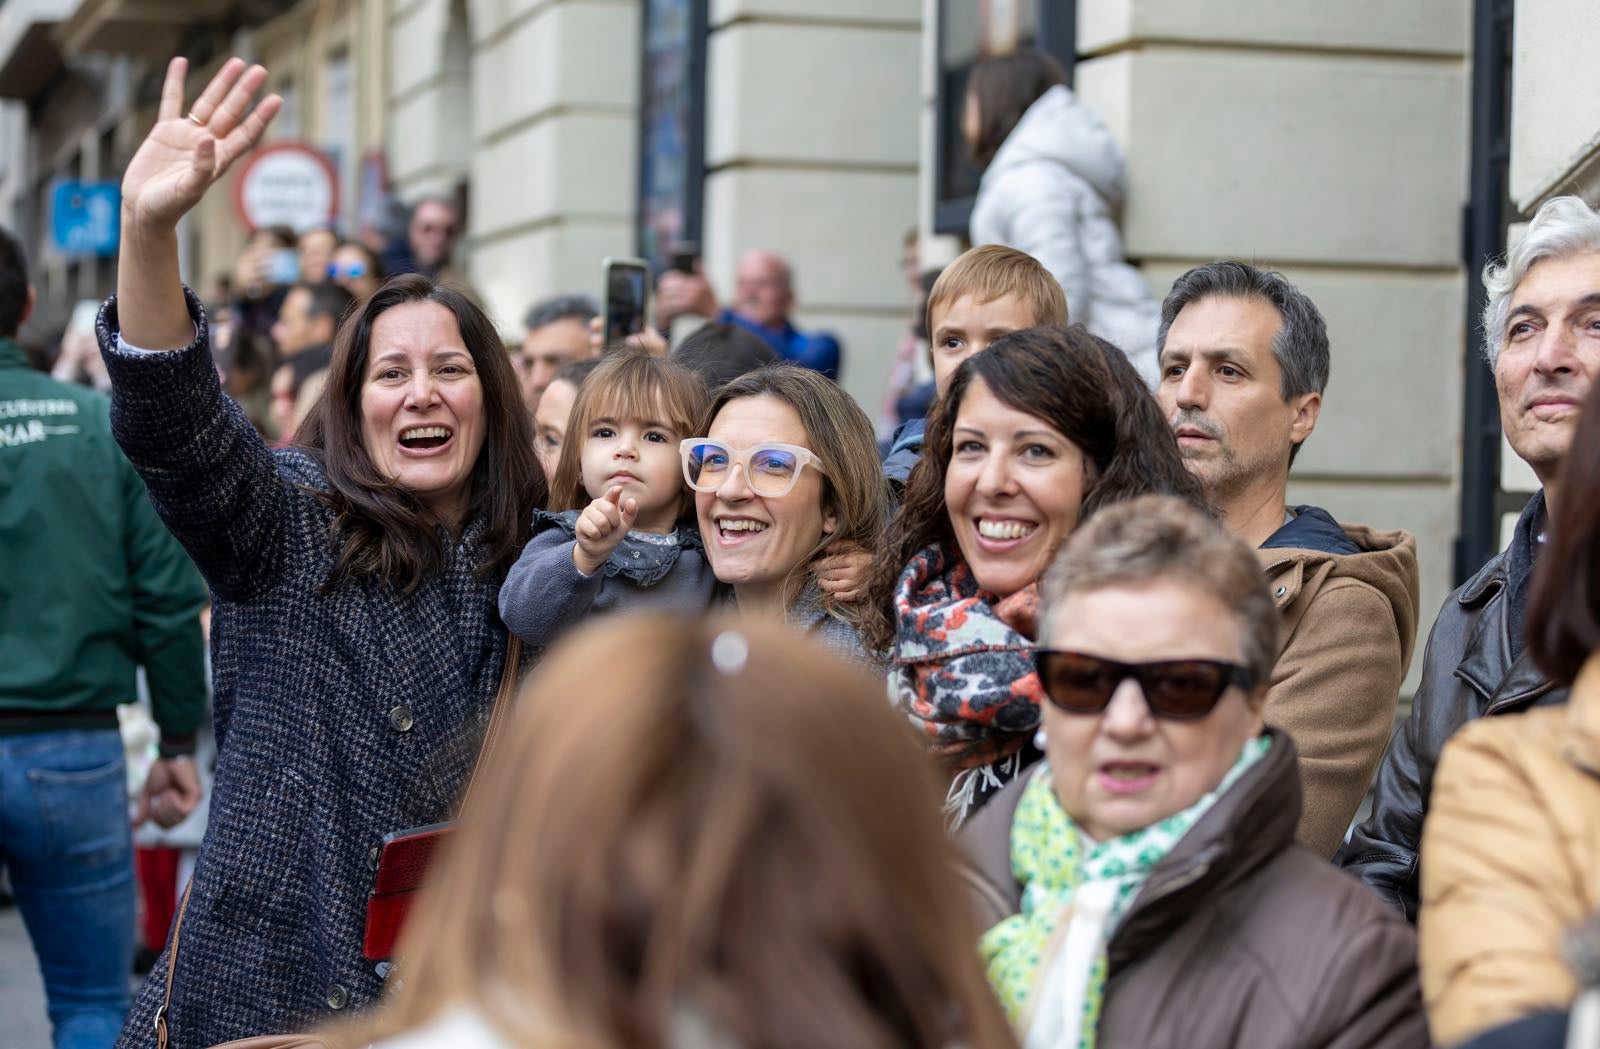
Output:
x=1033 y=436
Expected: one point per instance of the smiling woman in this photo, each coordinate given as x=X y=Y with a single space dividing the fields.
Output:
x=355 y=640
x=419 y=407
x=1035 y=433
x=787 y=465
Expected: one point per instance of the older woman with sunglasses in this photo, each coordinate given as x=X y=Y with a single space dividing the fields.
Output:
x=787 y=467
x=1142 y=886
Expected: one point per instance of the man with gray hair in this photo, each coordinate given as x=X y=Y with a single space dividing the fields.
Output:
x=1244 y=361
x=1542 y=333
x=555 y=333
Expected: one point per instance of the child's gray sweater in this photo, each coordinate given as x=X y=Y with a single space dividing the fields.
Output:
x=544 y=593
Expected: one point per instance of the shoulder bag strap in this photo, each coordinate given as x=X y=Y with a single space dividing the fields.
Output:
x=172 y=963
x=497 y=717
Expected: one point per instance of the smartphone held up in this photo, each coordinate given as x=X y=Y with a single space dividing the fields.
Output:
x=627 y=295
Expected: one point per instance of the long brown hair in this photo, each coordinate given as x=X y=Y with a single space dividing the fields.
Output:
x=640 y=859
x=840 y=434
x=1005 y=86
x=381 y=528
x=1086 y=390
x=626 y=385
x=1564 y=604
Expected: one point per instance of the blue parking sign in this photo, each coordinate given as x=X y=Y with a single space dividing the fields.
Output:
x=84 y=217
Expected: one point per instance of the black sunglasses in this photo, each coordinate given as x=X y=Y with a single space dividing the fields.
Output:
x=1176 y=689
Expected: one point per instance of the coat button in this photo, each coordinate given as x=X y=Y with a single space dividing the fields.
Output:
x=338 y=997
x=1280 y=591
x=400 y=718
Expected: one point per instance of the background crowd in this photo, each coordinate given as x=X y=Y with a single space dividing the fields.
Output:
x=1027 y=712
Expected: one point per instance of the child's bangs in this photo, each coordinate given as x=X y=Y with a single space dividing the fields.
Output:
x=652 y=392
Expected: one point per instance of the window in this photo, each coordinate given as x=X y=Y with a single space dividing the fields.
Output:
x=672 y=108
x=968 y=33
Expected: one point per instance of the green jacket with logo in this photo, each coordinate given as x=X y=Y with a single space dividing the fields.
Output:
x=92 y=585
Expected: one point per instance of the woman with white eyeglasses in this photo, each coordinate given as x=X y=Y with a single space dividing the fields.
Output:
x=787 y=466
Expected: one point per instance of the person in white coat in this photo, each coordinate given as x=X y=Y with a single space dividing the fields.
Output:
x=1053 y=180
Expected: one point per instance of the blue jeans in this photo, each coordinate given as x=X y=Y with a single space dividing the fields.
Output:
x=65 y=839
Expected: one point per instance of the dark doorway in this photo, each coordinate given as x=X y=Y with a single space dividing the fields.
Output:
x=1489 y=212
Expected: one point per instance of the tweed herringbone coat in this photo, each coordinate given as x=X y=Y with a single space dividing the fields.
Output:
x=338 y=718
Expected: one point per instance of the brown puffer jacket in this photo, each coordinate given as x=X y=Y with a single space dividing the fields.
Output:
x=1510 y=863
x=1349 y=623
x=1240 y=937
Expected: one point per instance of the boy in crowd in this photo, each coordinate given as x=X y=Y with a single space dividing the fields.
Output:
x=987 y=292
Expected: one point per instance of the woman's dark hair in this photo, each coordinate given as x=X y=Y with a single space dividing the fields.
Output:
x=380 y=528
x=1564 y=604
x=1005 y=86
x=721 y=353
x=1086 y=390
x=282 y=236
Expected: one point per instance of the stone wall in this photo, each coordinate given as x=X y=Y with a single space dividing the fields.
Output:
x=1329 y=141
x=533 y=103
x=812 y=150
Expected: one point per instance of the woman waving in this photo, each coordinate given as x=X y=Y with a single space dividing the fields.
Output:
x=356 y=644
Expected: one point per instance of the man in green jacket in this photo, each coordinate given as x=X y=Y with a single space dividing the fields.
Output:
x=92 y=586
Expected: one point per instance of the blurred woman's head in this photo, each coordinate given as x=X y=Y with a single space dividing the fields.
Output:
x=1035 y=434
x=1156 y=651
x=1564 y=608
x=646 y=868
x=999 y=91
x=421 y=423
x=356 y=268
x=316 y=247
x=785 y=464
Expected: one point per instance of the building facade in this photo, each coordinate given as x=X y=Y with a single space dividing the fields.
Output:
x=1338 y=142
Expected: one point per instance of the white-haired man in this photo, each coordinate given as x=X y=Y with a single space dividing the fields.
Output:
x=1542 y=329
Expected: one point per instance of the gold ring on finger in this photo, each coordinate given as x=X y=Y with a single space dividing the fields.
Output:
x=196 y=121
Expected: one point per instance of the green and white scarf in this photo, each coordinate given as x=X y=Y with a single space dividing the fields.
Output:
x=1054 y=862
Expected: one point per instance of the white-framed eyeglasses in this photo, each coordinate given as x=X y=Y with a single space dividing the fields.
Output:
x=771 y=468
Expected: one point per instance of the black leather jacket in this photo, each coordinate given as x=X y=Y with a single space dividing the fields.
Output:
x=1468 y=672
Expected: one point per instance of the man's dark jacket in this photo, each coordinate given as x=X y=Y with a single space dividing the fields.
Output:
x=1476 y=665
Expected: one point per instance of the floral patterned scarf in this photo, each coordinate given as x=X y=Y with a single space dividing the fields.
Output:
x=962 y=664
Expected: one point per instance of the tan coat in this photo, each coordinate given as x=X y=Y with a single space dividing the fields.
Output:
x=1349 y=627
x=1510 y=862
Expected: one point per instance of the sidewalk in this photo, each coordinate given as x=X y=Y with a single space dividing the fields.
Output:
x=21 y=993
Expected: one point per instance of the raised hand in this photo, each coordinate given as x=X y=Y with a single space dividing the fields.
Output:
x=185 y=153
x=601 y=527
x=648 y=341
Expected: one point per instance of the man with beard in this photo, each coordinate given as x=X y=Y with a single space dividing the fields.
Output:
x=1244 y=361
x=1541 y=326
